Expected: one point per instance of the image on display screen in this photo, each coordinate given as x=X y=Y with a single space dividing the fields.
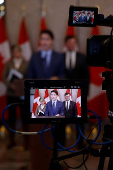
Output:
x=64 y=103
x=83 y=17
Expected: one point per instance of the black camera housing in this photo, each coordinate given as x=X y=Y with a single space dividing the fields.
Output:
x=100 y=51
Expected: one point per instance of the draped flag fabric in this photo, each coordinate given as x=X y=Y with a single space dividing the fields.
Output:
x=97 y=100
x=43 y=26
x=4 y=57
x=46 y=97
x=78 y=103
x=24 y=41
x=36 y=102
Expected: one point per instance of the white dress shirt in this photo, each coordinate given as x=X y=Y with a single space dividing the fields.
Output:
x=70 y=56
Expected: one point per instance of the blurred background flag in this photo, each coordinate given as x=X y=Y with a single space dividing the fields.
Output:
x=5 y=55
x=43 y=25
x=24 y=41
x=36 y=102
x=97 y=100
x=46 y=97
x=78 y=103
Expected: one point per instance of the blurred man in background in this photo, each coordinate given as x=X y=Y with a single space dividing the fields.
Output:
x=46 y=64
x=75 y=62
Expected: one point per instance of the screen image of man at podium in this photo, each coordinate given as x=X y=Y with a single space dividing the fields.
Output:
x=54 y=107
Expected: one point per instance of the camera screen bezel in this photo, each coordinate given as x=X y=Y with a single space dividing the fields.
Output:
x=55 y=83
x=77 y=8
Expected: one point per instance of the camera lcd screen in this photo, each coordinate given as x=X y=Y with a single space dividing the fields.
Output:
x=57 y=100
x=82 y=16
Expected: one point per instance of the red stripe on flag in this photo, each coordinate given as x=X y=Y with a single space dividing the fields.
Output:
x=23 y=37
x=3 y=36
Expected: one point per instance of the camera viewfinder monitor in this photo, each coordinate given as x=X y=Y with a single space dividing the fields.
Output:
x=83 y=16
x=53 y=101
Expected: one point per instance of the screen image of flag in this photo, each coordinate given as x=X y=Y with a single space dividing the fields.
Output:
x=46 y=97
x=78 y=103
x=36 y=102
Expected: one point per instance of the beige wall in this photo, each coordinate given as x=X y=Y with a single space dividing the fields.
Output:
x=56 y=18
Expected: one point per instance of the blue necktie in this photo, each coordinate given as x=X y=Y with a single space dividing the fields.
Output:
x=53 y=109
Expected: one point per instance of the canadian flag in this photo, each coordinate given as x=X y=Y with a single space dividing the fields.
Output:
x=69 y=32
x=42 y=26
x=36 y=102
x=78 y=103
x=97 y=100
x=68 y=91
x=24 y=41
x=5 y=55
x=46 y=97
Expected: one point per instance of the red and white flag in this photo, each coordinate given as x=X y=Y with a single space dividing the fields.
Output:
x=97 y=100
x=78 y=103
x=36 y=102
x=5 y=55
x=43 y=26
x=46 y=97
x=24 y=41
x=68 y=91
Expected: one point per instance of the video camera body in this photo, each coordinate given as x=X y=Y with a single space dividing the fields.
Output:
x=99 y=47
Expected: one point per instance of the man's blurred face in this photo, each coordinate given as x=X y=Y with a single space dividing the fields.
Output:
x=67 y=97
x=46 y=42
x=71 y=44
x=54 y=96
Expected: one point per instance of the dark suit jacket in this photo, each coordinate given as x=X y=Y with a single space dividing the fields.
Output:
x=89 y=20
x=72 y=112
x=56 y=67
x=59 y=108
x=81 y=70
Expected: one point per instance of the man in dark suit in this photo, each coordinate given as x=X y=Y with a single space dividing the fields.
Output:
x=82 y=18
x=75 y=62
x=70 y=109
x=54 y=107
x=46 y=64
x=89 y=19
